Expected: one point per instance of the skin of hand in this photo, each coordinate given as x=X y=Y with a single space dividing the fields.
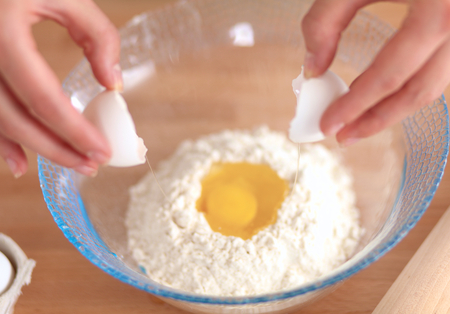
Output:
x=409 y=72
x=34 y=112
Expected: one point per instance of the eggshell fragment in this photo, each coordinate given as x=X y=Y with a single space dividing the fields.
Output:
x=7 y=273
x=313 y=98
x=108 y=111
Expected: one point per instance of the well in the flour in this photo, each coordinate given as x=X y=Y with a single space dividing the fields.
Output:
x=316 y=228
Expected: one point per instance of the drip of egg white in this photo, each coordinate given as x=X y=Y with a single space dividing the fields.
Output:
x=7 y=273
x=108 y=111
x=314 y=95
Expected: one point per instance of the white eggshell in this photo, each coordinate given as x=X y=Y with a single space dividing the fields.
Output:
x=7 y=273
x=108 y=111
x=313 y=98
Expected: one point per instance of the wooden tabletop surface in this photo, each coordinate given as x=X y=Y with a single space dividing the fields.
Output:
x=65 y=282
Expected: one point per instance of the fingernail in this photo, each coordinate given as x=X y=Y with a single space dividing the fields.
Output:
x=86 y=170
x=14 y=167
x=349 y=141
x=334 y=129
x=308 y=66
x=118 y=80
x=98 y=157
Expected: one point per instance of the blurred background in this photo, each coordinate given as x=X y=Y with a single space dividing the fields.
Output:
x=65 y=282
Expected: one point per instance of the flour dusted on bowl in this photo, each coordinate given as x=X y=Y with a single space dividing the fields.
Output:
x=317 y=228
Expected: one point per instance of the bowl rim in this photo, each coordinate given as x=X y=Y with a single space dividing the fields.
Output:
x=167 y=292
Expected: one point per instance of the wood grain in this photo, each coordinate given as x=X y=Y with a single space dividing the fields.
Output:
x=424 y=284
x=65 y=282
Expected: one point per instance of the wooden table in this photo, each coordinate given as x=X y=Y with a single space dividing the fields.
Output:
x=65 y=282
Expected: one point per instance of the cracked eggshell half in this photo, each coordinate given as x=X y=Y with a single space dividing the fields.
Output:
x=314 y=95
x=108 y=111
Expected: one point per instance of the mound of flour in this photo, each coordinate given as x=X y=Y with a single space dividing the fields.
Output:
x=317 y=227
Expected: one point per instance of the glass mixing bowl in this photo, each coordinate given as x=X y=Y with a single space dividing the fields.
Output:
x=202 y=66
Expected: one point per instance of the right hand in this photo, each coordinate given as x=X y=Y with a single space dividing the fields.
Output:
x=409 y=72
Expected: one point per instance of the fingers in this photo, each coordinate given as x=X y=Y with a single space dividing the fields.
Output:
x=14 y=156
x=424 y=87
x=28 y=76
x=322 y=27
x=92 y=31
x=33 y=108
x=421 y=35
x=17 y=125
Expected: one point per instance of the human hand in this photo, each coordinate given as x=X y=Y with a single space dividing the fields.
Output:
x=410 y=71
x=34 y=112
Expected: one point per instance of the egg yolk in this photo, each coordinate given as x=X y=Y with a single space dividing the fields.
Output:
x=232 y=205
x=240 y=199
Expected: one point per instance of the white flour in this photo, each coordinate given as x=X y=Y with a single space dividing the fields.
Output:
x=317 y=227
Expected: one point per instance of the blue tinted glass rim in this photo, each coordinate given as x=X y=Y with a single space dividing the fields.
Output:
x=168 y=293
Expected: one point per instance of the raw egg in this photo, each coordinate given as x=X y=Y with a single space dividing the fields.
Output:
x=314 y=95
x=108 y=111
x=7 y=273
x=240 y=199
